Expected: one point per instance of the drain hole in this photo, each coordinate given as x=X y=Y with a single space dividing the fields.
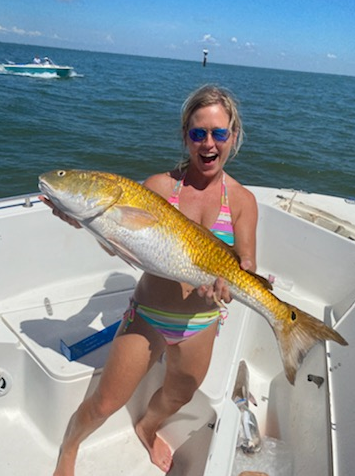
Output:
x=5 y=382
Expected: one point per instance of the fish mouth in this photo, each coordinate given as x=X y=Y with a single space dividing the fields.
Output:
x=42 y=185
x=45 y=187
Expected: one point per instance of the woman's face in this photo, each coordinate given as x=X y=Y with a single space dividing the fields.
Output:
x=210 y=154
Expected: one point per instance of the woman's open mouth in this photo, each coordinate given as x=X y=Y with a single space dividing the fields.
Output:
x=208 y=158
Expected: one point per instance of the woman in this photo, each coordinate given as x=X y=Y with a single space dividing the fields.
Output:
x=199 y=187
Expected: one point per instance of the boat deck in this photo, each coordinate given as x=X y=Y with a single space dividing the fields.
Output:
x=41 y=412
x=57 y=284
x=31 y=335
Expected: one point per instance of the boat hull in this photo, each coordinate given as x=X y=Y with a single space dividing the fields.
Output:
x=60 y=71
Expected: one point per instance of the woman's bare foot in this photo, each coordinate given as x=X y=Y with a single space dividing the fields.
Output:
x=159 y=451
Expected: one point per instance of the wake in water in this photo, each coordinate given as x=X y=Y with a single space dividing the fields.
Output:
x=45 y=75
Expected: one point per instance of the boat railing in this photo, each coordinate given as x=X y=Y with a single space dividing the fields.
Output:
x=25 y=200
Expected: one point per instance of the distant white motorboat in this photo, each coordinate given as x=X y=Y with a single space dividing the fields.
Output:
x=40 y=66
x=58 y=285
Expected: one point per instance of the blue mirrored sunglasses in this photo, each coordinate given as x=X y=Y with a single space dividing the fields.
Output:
x=199 y=134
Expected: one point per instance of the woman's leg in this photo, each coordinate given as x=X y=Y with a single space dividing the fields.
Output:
x=131 y=356
x=187 y=365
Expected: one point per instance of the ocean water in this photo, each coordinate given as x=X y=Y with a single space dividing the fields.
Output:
x=121 y=113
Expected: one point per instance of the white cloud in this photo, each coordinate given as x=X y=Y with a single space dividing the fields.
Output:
x=174 y=47
x=209 y=40
x=234 y=39
x=249 y=46
x=331 y=56
x=20 y=31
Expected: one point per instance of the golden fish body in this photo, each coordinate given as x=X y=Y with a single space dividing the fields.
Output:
x=145 y=230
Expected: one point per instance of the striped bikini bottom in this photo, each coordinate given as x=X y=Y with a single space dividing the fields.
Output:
x=174 y=327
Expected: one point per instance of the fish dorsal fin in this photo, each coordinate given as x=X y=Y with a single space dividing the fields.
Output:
x=231 y=250
x=214 y=238
x=262 y=280
x=132 y=218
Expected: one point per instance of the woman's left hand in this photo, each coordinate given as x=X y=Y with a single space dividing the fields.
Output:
x=215 y=293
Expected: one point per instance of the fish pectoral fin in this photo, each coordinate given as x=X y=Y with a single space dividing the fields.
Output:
x=125 y=254
x=133 y=218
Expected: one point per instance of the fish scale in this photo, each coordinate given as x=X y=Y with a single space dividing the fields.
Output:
x=145 y=230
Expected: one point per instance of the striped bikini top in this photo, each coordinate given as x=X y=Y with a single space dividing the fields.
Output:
x=223 y=227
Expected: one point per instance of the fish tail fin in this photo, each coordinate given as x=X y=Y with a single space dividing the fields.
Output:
x=297 y=339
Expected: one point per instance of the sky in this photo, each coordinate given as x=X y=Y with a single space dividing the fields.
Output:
x=302 y=35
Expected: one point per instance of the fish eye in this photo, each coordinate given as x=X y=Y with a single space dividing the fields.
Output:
x=61 y=173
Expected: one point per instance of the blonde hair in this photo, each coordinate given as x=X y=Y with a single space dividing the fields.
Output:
x=210 y=95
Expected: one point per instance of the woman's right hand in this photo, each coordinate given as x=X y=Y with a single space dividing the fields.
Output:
x=59 y=213
x=70 y=220
x=216 y=293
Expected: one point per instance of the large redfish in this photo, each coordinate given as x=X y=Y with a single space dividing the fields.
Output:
x=145 y=230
